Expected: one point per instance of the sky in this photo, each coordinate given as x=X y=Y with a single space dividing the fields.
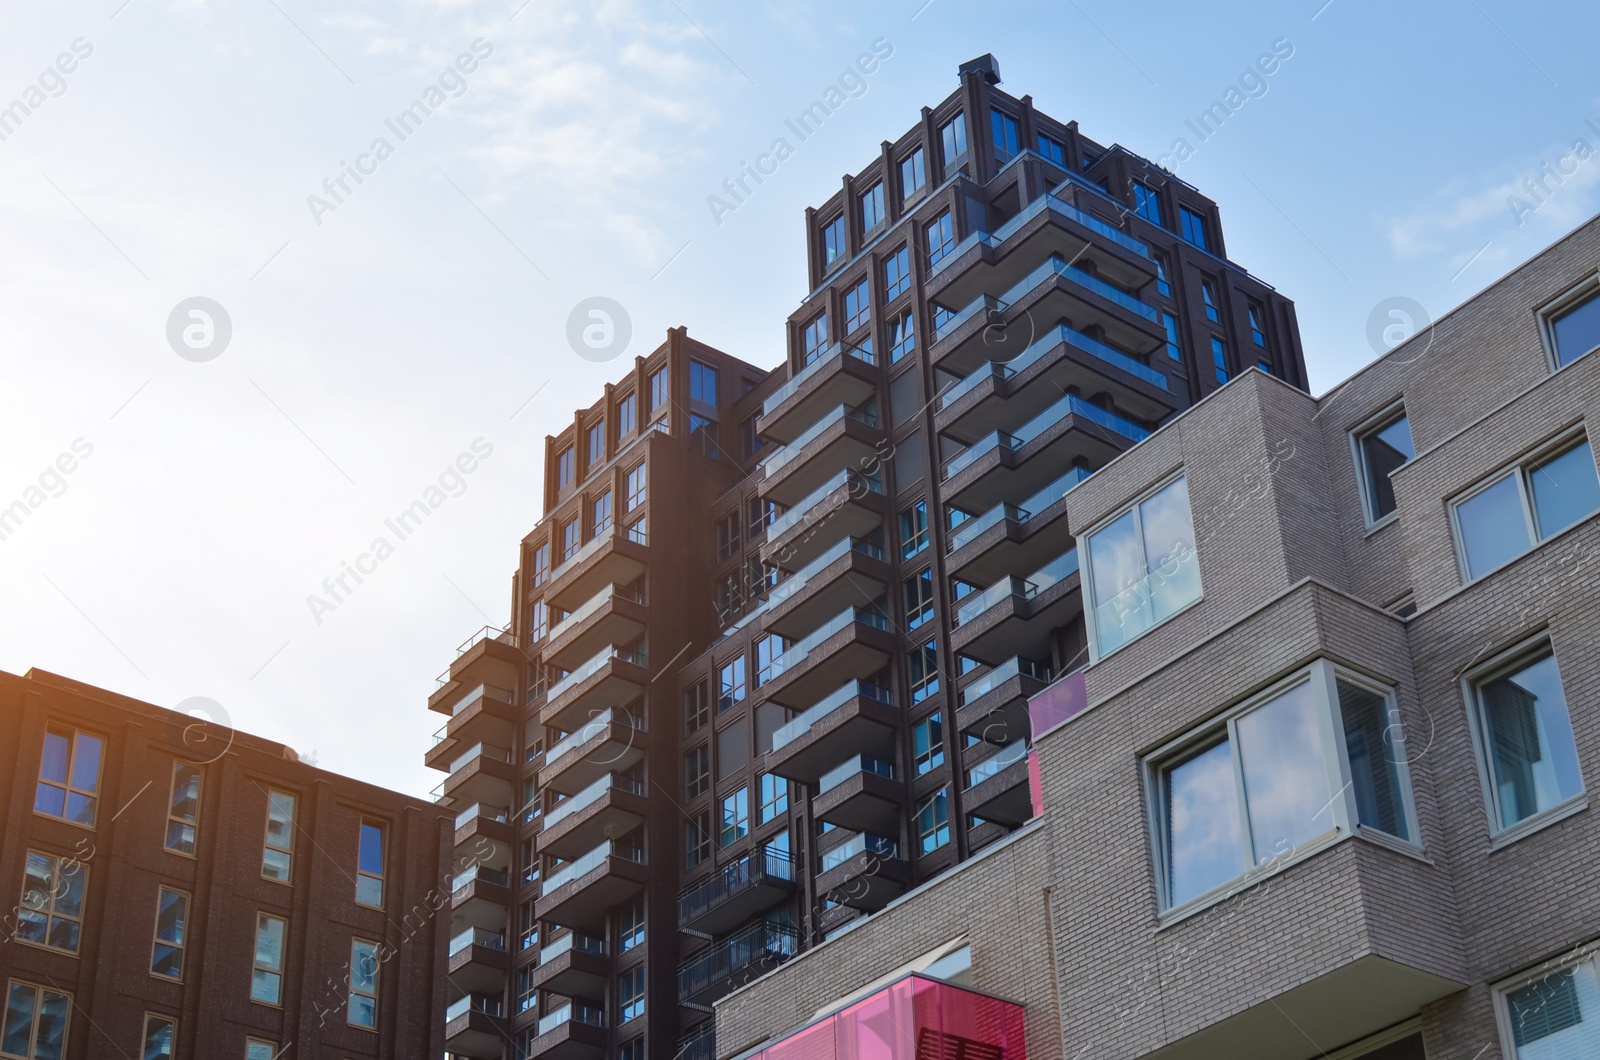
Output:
x=192 y=481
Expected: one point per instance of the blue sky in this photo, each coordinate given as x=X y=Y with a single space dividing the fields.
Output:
x=374 y=342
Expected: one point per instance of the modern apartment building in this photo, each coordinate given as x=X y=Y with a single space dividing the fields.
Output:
x=778 y=626
x=179 y=890
x=1321 y=788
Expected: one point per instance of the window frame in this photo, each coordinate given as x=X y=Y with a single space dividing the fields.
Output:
x=271 y=1047
x=172 y=1024
x=898 y=282
x=837 y=231
x=39 y=992
x=182 y=945
x=356 y=942
x=1385 y=417
x=874 y=195
x=1502 y=990
x=926 y=805
x=382 y=875
x=266 y=844
x=1085 y=565
x=1541 y=454
x=68 y=789
x=627 y=415
x=1585 y=290
x=178 y=765
x=917 y=159
x=60 y=864
x=566 y=468
x=257 y=966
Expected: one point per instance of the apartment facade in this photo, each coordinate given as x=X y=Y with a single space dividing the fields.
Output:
x=184 y=890
x=1321 y=788
x=780 y=626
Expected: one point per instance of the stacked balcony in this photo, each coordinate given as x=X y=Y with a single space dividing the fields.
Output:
x=854 y=644
x=488 y=657
x=615 y=614
x=736 y=892
x=575 y=1031
x=610 y=558
x=1015 y=615
x=475 y=1026
x=740 y=957
x=575 y=966
x=610 y=741
x=863 y=794
x=612 y=804
x=477 y=961
x=865 y=871
x=847 y=504
x=578 y=894
x=836 y=376
x=615 y=674
x=845 y=437
x=1011 y=538
x=843 y=574
x=994 y=705
x=997 y=787
x=859 y=716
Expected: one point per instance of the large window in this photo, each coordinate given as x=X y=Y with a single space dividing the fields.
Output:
x=160 y=1037
x=696 y=772
x=913 y=174
x=51 y=911
x=1258 y=327
x=1142 y=567
x=872 y=207
x=1194 y=228
x=1003 y=134
x=369 y=865
x=36 y=1022
x=834 y=244
x=953 y=134
x=278 y=852
x=1555 y=1013
x=363 y=1006
x=913 y=529
x=1053 y=150
x=1147 y=203
x=183 y=808
x=660 y=393
x=728 y=535
x=571 y=539
x=1174 y=344
x=1572 y=327
x=933 y=821
x=703 y=435
x=630 y=926
x=697 y=839
x=1382 y=445
x=897 y=274
x=902 y=336
x=923 y=667
x=637 y=487
x=702 y=383
x=565 y=468
x=730 y=684
x=1502 y=519
x=927 y=744
x=918 y=591
x=630 y=994
x=627 y=415
x=735 y=817
x=940 y=234
x=69 y=776
x=1163 y=274
x=171 y=934
x=1529 y=758
x=266 y=979
x=857 y=307
x=696 y=706
x=600 y=514
x=597 y=444
x=1219 y=359
x=774 y=796
x=1268 y=782
x=541 y=565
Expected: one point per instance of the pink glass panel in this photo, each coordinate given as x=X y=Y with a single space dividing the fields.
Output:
x=912 y=1019
x=1057 y=703
x=1035 y=782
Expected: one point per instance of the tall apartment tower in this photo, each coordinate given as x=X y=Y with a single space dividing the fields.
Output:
x=772 y=641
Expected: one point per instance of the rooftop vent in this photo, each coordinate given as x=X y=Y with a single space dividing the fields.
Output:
x=985 y=65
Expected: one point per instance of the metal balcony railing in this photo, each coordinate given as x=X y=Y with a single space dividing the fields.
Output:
x=733 y=879
x=760 y=945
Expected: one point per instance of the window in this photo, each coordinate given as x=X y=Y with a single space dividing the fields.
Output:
x=1003 y=134
x=927 y=744
x=1381 y=447
x=171 y=934
x=183 y=809
x=527 y=927
x=1267 y=782
x=160 y=1037
x=571 y=539
x=277 y=854
x=768 y=648
x=1530 y=760
x=774 y=797
x=696 y=772
x=758 y=515
x=902 y=336
x=933 y=821
x=659 y=392
x=266 y=980
x=1163 y=274
x=835 y=248
x=918 y=593
x=702 y=383
x=36 y=1022
x=730 y=684
x=728 y=528
x=913 y=529
x=636 y=487
x=857 y=307
x=815 y=337
x=541 y=565
x=256 y=1049
x=538 y=621
x=627 y=415
x=954 y=135
x=872 y=207
x=1552 y=1014
x=735 y=817
x=630 y=994
x=696 y=839
x=363 y=1007
x=51 y=911
x=369 y=865
x=749 y=439
x=564 y=468
x=597 y=444
x=638 y=533
x=600 y=513
x=69 y=776
x=1219 y=359
x=1498 y=522
x=1053 y=151
x=897 y=274
x=1147 y=203
x=630 y=926
x=696 y=707
x=1258 y=332
x=524 y=991
x=1572 y=328
x=923 y=664
x=1194 y=228
x=1208 y=292
x=1142 y=567
x=913 y=174
x=1174 y=346
x=940 y=236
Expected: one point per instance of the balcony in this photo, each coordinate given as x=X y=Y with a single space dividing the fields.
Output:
x=994 y=707
x=850 y=572
x=578 y=894
x=478 y=961
x=612 y=676
x=611 y=805
x=736 y=892
x=611 y=741
x=486 y=831
x=864 y=872
x=610 y=558
x=574 y=1031
x=482 y=714
x=1011 y=465
x=855 y=643
x=847 y=505
x=997 y=787
x=861 y=794
x=859 y=716
x=838 y=376
x=996 y=394
x=481 y=773
x=845 y=437
x=575 y=966
x=1011 y=538
x=1017 y=616
x=475 y=1026
x=699 y=1044
x=614 y=615
x=738 y=958
x=488 y=657
x=479 y=897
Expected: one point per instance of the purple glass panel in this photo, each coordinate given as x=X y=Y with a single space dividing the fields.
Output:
x=1057 y=703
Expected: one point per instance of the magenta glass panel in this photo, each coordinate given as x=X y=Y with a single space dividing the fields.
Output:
x=809 y=1043
x=1057 y=703
x=912 y=1019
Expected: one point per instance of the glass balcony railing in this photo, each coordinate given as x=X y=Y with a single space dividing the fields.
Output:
x=572 y=940
x=978 y=305
x=853 y=766
x=965 y=532
x=1089 y=282
x=1066 y=209
x=1027 y=588
x=440 y=737
x=863 y=843
x=589 y=796
x=734 y=878
x=589 y=669
x=797 y=581
x=572 y=870
x=1055 y=336
x=593 y=605
x=477 y=872
x=573 y=1012
x=595 y=545
x=802 y=723
x=477 y=751
x=1070 y=404
x=857 y=482
x=479 y=693
x=591 y=728
x=1001 y=674
x=785 y=456
x=481 y=812
x=797 y=653
x=1058 y=569
x=489 y=1006
x=492 y=940
x=1008 y=755
x=822 y=362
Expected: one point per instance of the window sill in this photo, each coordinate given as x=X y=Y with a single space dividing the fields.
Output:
x=1539 y=822
x=1237 y=886
x=1388 y=520
x=1393 y=843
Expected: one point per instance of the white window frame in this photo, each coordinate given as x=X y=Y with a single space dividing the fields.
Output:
x=1319 y=672
x=1545 y=451
x=1504 y=662
x=377 y=967
x=1582 y=291
x=1086 y=575
x=1384 y=417
x=1502 y=990
x=170 y=1021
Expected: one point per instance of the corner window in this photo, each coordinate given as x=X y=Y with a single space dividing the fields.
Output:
x=1572 y=325
x=1147 y=203
x=1194 y=228
x=1142 y=567
x=1501 y=520
x=913 y=174
x=183 y=809
x=69 y=776
x=266 y=980
x=1530 y=760
x=834 y=245
x=51 y=911
x=1382 y=446
x=277 y=853
x=1003 y=131
x=600 y=514
x=172 y=928
x=872 y=207
x=702 y=383
x=369 y=865
x=36 y=1022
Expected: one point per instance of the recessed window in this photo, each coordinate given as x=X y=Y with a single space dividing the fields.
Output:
x=171 y=934
x=69 y=776
x=277 y=854
x=1053 y=151
x=160 y=1037
x=940 y=237
x=36 y=1022
x=1382 y=446
x=927 y=744
x=902 y=336
x=1174 y=346
x=913 y=174
x=600 y=514
x=266 y=978
x=814 y=338
x=1525 y=731
x=1572 y=327
x=1258 y=329
x=1208 y=293
x=183 y=809
x=730 y=684
x=696 y=706
x=728 y=536
x=872 y=207
x=1194 y=228
x=597 y=444
x=1163 y=274
x=696 y=772
x=953 y=134
x=627 y=415
x=571 y=539
x=363 y=1007
x=897 y=274
x=630 y=926
x=1003 y=134
x=565 y=468
x=256 y=1049
x=923 y=667
x=697 y=839
x=1501 y=520
x=1552 y=1015
x=913 y=529
x=51 y=911
x=1142 y=567
x=835 y=248
x=1147 y=203
x=702 y=383
x=918 y=591
x=541 y=565
x=1219 y=359
x=933 y=821
x=857 y=307
x=630 y=994
x=735 y=817
x=1268 y=782
x=774 y=797
x=636 y=487
x=660 y=392
x=369 y=865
